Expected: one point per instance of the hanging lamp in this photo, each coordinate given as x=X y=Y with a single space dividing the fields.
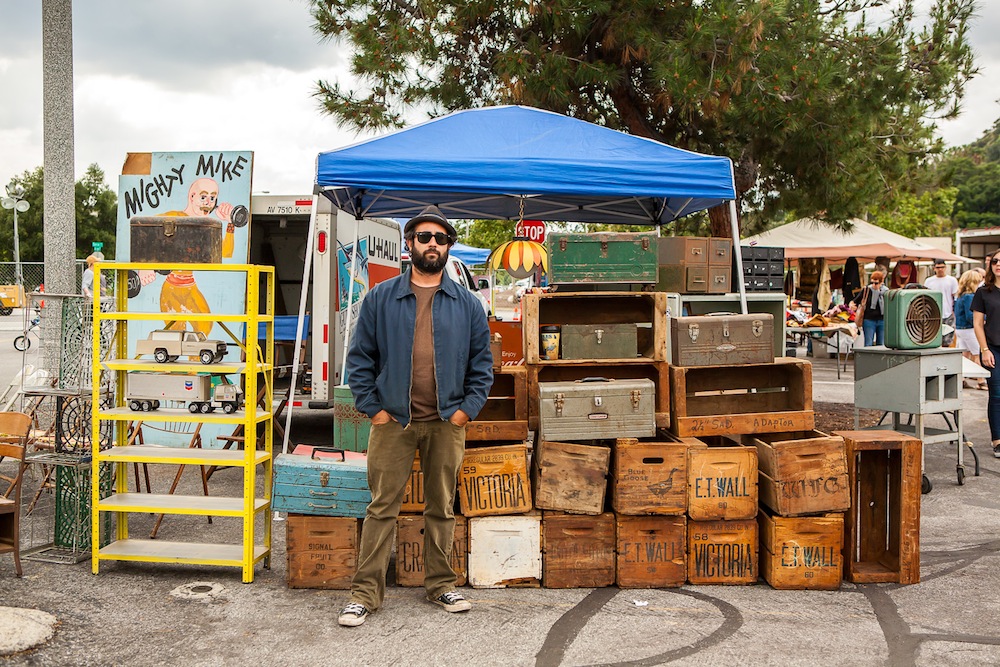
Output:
x=520 y=257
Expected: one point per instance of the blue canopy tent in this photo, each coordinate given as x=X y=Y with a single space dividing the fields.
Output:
x=469 y=254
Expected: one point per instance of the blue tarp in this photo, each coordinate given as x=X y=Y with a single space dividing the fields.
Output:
x=480 y=163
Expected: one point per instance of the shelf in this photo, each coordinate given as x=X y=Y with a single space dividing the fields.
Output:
x=180 y=455
x=181 y=415
x=195 y=553
x=591 y=362
x=151 y=365
x=178 y=504
x=187 y=317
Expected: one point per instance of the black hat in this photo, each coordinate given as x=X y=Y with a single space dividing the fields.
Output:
x=430 y=214
x=939 y=262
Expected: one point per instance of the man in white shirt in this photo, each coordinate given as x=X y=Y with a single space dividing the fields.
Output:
x=948 y=286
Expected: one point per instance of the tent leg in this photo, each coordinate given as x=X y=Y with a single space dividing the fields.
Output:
x=738 y=255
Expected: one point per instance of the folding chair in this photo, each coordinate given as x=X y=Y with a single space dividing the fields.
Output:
x=14 y=427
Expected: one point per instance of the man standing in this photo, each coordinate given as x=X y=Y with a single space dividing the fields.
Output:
x=948 y=286
x=420 y=367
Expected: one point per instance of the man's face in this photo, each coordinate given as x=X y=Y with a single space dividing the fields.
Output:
x=203 y=195
x=430 y=257
x=939 y=270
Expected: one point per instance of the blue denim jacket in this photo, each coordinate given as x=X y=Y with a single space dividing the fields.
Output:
x=380 y=358
x=963 y=311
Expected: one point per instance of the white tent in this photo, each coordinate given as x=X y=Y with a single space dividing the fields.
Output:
x=810 y=238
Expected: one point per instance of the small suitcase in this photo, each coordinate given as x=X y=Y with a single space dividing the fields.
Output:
x=722 y=339
x=596 y=409
x=167 y=239
x=321 y=481
x=599 y=341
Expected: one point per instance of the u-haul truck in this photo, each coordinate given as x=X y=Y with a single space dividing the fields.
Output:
x=280 y=226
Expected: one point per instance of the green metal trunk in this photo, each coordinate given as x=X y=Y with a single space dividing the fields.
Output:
x=603 y=257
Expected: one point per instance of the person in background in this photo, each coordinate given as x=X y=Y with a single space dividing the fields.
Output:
x=948 y=287
x=871 y=309
x=88 y=277
x=986 y=324
x=964 y=333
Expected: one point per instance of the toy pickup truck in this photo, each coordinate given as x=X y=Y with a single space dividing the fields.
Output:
x=169 y=344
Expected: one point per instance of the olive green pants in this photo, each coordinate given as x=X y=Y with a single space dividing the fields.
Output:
x=391 y=451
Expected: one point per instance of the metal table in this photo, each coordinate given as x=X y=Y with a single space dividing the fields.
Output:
x=824 y=334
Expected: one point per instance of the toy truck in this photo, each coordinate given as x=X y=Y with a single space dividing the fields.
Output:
x=169 y=344
x=144 y=392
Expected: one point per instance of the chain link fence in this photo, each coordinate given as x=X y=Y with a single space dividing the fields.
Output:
x=34 y=274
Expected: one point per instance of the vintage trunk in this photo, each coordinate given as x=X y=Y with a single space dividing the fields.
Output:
x=802 y=552
x=649 y=477
x=505 y=415
x=410 y=550
x=722 y=552
x=722 y=340
x=652 y=551
x=803 y=472
x=569 y=477
x=596 y=408
x=176 y=239
x=322 y=551
x=505 y=551
x=882 y=529
x=602 y=257
x=756 y=398
x=413 y=496
x=328 y=482
x=578 y=551
x=351 y=428
x=494 y=480
x=599 y=341
x=722 y=482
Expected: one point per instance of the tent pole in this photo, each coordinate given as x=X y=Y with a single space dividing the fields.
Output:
x=738 y=254
x=350 y=300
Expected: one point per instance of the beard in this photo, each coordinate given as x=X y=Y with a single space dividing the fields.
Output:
x=425 y=265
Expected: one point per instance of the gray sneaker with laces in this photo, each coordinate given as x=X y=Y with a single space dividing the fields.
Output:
x=453 y=601
x=353 y=615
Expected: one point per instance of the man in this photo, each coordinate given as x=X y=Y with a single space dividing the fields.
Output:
x=420 y=367
x=948 y=286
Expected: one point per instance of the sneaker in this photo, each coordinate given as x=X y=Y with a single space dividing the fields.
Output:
x=996 y=455
x=353 y=615
x=453 y=601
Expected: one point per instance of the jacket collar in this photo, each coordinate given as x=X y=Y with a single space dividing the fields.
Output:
x=448 y=286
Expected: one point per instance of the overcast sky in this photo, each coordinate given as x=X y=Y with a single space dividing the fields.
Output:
x=239 y=75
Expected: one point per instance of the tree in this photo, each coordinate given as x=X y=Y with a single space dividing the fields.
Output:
x=822 y=110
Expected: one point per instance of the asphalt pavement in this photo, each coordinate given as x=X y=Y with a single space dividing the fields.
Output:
x=142 y=613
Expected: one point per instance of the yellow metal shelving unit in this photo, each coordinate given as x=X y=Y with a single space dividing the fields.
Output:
x=259 y=363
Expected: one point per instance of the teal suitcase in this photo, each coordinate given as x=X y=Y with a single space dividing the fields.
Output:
x=321 y=481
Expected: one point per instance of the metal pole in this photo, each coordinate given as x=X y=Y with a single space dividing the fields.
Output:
x=738 y=255
x=18 y=277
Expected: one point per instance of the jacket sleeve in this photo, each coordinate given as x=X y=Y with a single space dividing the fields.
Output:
x=479 y=374
x=363 y=358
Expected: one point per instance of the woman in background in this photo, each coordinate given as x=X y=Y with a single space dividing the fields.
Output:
x=986 y=324
x=965 y=336
x=871 y=309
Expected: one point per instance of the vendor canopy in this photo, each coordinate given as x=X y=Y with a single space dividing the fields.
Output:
x=480 y=162
x=807 y=238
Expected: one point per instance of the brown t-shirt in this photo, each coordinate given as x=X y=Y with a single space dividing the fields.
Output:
x=423 y=384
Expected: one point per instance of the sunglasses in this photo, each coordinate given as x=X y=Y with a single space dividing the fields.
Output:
x=994 y=262
x=439 y=237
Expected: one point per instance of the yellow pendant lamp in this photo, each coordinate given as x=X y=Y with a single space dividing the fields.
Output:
x=520 y=257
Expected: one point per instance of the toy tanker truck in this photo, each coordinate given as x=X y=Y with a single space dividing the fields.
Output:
x=169 y=344
x=144 y=392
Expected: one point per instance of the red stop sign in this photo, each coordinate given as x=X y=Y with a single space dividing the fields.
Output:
x=533 y=230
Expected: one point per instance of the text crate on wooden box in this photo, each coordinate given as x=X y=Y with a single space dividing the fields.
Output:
x=802 y=552
x=648 y=477
x=803 y=472
x=322 y=551
x=722 y=552
x=410 y=550
x=495 y=481
x=736 y=400
x=570 y=371
x=505 y=415
x=569 y=477
x=505 y=551
x=578 y=551
x=652 y=551
x=722 y=479
x=882 y=532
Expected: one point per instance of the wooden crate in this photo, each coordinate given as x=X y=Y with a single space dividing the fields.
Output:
x=413 y=496
x=578 y=551
x=505 y=551
x=804 y=472
x=505 y=415
x=648 y=477
x=882 y=534
x=568 y=371
x=722 y=480
x=494 y=480
x=646 y=310
x=802 y=552
x=734 y=400
x=570 y=477
x=322 y=551
x=410 y=550
x=722 y=552
x=651 y=550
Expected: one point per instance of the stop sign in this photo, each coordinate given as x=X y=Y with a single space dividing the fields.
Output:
x=533 y=230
